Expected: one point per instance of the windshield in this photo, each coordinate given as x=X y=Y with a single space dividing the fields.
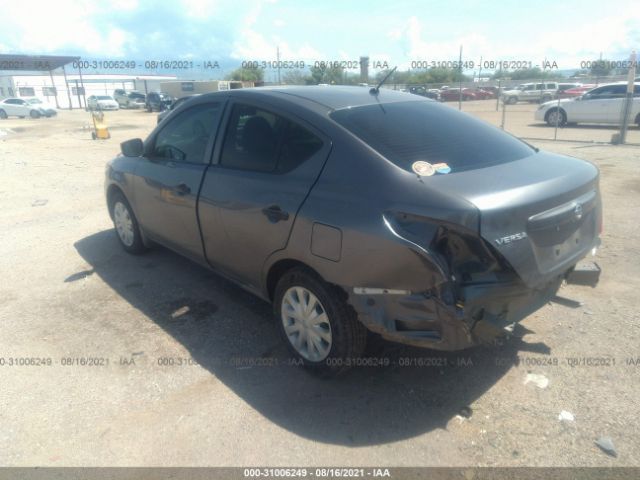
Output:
x=408 y=132
x=104 y=97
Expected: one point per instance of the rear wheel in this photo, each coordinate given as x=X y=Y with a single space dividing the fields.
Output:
x=320 y=329
x=126 y=225
x=3 y=114
x=34 y=114
x=556 y=117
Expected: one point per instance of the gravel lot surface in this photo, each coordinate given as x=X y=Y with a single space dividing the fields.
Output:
x=70 y=293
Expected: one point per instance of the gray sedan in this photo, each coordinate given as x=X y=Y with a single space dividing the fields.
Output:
x=354 y=210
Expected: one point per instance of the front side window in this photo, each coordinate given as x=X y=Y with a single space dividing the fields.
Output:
x=609 y=91
x=185 y=137
x=262 y=141
x=406 y=132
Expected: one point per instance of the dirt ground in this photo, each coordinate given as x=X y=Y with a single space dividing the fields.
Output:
x=112 y=371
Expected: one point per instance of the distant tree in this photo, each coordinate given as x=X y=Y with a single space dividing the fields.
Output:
x=423 y=77
x=600 y=68
x=324 y=74
x=534 y=73
x=247 y=75
x=580 y=73
x=295 y=77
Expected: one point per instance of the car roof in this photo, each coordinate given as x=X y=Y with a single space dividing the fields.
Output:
x=328 y=97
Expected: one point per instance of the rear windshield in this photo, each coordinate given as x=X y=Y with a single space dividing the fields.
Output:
x=407 y=132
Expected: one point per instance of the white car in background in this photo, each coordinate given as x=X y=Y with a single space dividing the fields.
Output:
x=102 y=102
x=19 y=107
x=602 y=104
x=49 y=110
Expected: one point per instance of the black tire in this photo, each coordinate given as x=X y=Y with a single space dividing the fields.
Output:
x=136 y=247
x=637 y=122
x=512 y=100
x=545 y=99
x=34 y=114
x=551 y=122
x=3 y=114
x=348 y=335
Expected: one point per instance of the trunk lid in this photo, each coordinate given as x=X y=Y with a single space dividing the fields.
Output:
x=541 y=213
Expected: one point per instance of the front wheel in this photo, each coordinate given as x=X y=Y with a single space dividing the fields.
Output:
x=34 y=114
x=556 y=117
x=126 y=225
x=3 y=114
x=320 y=329
x=512 y=100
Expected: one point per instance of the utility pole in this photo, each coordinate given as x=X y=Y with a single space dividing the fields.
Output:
x=628 y=101
x=460 y=79
x=278 y=63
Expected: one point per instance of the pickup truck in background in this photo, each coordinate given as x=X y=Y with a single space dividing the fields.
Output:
x=531 y=92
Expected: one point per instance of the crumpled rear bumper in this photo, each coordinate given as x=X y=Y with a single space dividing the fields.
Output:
x=478 y=313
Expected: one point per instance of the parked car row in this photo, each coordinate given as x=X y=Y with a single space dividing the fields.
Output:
x=152 y=102
x=603 y=105
x=446 y=94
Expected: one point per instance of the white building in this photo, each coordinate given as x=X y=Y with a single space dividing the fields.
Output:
x=71 y=91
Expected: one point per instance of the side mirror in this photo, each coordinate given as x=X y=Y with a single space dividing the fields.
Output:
x=132 y=148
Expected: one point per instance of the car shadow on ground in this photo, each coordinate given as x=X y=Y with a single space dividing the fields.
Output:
x=231 y=333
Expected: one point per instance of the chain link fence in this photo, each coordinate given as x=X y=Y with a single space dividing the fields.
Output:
x=546 y=113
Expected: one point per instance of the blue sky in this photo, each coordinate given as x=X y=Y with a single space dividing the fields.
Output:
x=398 y=31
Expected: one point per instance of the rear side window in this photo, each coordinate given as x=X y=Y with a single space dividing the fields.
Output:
x=261 y=141
x=408 y=132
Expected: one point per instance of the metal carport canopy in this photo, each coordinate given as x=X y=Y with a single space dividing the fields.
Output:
x=34 y=63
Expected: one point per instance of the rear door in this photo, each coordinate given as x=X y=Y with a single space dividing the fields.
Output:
x=169 y=177
x=593 y=107
x=267 y=164
x=615 y=106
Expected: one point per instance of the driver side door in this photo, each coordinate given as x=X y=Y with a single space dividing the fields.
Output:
x=168 y=179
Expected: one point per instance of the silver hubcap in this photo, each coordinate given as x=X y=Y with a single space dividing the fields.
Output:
x=306 y=324
x=123 y=223
x=555 y=117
